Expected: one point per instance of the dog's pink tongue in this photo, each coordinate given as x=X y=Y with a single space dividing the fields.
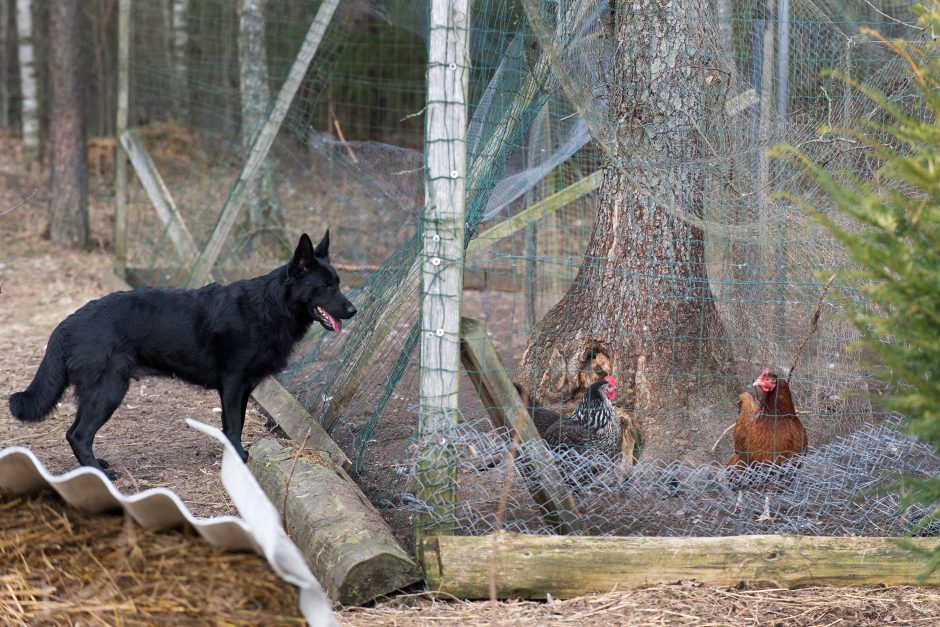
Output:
x=334 y=322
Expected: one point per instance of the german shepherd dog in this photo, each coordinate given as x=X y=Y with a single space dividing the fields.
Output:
x=226 y=338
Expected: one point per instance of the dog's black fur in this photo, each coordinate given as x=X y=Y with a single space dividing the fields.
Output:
x=226 y=338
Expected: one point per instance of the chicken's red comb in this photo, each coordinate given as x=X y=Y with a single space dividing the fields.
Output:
x=611 y=380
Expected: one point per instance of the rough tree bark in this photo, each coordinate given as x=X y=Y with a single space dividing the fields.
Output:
x=68 y=203
x=641 y=307
x=29 y=107
x=263 y=206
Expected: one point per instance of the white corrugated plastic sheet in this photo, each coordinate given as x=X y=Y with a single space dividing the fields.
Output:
x=258 y=529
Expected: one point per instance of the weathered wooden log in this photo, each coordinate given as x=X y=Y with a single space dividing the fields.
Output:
x=505 y=409
x=343 y=538
x=530 y=567
x=296 y=422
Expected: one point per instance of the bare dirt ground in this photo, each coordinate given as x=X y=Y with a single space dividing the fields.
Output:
x=149 y=444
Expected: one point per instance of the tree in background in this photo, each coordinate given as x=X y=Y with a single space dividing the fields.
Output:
x=5 y=41
x=264 y=212
x=641 y=307
x=68 y=203
x=178 y=43
x=29 y=114
x=893 y=236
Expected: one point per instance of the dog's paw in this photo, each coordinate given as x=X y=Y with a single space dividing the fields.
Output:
x=244 y=455
x=103 y=463
x=110 y=474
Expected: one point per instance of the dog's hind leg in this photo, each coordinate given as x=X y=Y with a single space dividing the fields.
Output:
x=234 y=395
x=96 y=403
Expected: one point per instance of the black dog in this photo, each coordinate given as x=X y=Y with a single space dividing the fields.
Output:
x=225 y=338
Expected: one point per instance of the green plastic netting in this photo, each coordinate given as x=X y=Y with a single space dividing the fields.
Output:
x=543 y=117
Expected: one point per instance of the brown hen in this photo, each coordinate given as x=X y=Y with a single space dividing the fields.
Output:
x=769 y=433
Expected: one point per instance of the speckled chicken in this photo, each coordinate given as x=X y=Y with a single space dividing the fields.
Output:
x=593 y=424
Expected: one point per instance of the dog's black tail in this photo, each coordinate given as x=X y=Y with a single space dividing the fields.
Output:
x=33 y=404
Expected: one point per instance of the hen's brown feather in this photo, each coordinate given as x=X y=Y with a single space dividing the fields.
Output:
x=770 y=432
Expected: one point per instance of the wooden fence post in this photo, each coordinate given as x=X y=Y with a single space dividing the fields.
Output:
x=442 y=257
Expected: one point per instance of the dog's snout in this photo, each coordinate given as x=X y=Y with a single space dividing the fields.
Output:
x=350 y=309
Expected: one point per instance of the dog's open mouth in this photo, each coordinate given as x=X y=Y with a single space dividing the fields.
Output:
x=329 y=322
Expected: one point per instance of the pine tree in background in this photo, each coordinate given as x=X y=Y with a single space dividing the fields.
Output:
x=68 y=198
x=896 y=245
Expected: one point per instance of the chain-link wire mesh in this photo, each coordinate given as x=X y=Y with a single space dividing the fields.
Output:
x=550 y=97
x=842 y=488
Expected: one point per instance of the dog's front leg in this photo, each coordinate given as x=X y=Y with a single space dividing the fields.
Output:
x=234 y=395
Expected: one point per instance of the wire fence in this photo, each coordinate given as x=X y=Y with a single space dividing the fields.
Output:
x=659 y=116
x=841 y=488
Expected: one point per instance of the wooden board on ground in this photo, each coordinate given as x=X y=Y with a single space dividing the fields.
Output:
x=296 y=422
x=159 y=196
x=505 y=409
x=343 y=538
x=529 y=566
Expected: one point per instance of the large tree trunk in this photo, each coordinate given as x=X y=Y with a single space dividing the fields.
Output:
x=68 y=204
x=29 y=114
x=263 y=205
x=641 y=307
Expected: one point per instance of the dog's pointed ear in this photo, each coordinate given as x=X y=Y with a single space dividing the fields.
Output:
x=304 y=257
x=323 y=248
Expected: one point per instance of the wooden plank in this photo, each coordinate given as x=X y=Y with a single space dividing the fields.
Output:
x=291 y=416
x=529 y=567
x=120 y=125
x=442 y=258
x=344 y=539
x=536 y=212
x=261 y=145
x=505 y=409
x=159 y=196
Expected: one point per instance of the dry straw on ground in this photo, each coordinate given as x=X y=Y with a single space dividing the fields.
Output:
x=61 y=566
x=679 y=604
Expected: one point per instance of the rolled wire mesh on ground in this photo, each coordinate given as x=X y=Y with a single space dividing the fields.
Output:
x=838 y=489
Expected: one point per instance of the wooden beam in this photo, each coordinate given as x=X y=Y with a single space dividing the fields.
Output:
x=159 y=196
x=120 y=125
x=441 y=259
x=291 y=416
x=536 y=212
x=529 y=567
x=344 y=539
x=261 y=145
x=505 y=409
